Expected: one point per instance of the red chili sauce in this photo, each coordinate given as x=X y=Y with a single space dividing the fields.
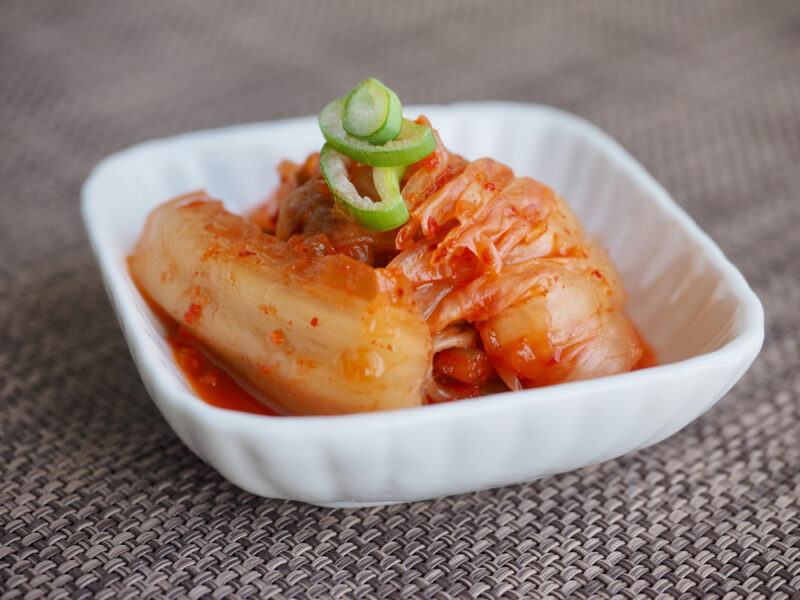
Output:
x=649 y=357
x=210 y=382
x=217 y=387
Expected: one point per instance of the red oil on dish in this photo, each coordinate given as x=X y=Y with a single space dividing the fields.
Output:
x=649 y=358
x=209 y=381
x=212 y=383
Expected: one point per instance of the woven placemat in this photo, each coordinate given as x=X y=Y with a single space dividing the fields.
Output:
x=98 y=498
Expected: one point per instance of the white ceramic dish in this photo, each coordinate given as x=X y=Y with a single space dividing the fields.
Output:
x=692 y=305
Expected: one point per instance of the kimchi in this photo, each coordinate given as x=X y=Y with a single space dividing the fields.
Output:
x=363 y=285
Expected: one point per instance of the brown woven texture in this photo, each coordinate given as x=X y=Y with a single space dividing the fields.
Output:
x=98 y=498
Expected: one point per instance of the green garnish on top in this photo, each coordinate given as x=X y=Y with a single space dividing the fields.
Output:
x=367 y=126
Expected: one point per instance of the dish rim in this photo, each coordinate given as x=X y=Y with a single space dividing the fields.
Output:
x=747 y=341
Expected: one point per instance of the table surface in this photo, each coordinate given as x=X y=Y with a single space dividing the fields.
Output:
x=97 y=495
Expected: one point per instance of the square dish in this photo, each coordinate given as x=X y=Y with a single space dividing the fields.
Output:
x=691 y=304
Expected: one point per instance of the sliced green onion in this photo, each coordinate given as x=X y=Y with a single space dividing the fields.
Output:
x=372 y=112
x=390 y=212
x=413 y=143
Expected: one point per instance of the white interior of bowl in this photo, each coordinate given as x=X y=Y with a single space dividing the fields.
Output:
x=677 y=296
